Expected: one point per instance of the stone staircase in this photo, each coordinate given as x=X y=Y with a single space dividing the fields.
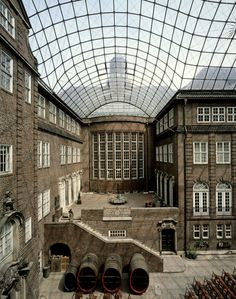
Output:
x=105 y=239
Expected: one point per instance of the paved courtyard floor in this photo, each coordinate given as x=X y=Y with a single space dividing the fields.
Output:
x=161 y=286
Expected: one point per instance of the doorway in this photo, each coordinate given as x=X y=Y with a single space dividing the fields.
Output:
x=168 y=240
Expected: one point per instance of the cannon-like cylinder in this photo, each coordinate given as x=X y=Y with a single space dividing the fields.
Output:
x=139 y=276
x=88 y=273
x=70 y=278
x=112 y=274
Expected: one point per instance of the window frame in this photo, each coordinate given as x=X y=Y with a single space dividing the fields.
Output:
x=198 y=189
x=205 y=237
x=203 y=115
x=117 y=233
x=233 y=114
x=28 y=229
x=5 y=16
x=41 y=106
x=9 y=157
x=27 y=87
x=6 y=240
x=200 y=153
x=218 y=114
x=8 y=76
x=223 y=192
x=196 y=230
x=228 y=230
x=52 y=113
x=219 y=237
x=223 y=152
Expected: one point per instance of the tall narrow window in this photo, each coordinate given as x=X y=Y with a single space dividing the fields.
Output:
x=223 y=152
x=28 y=229
x=170 y=152
x=200 y=153
x=46 y=154
x=223 y=199
x=68 y=123
x=126 y=157
x=228 y=231
x=134 y=160
x=7 y=20
x=41 y=106
x=52 y=113
x=200 y=199
x=40 y=206
x=110 y=172
x=74 y=155
x=165 y=153
x=157 y=153
x=171 y=117
x=27 y=91
x=6 y=241
x=78 y=155
x=63 y=154
x=95 y=156
x=140 y=156
x=61 y=118
x=205 y=231
x=69 y=154
x=46 y=202
x=102 y=155
x=118 y=156
x=5 y=159
x=6 y=72
x=72 y=125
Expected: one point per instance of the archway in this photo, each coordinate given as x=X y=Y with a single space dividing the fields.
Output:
x=60 y=256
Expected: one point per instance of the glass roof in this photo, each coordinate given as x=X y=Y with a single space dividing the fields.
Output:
x=129 y=57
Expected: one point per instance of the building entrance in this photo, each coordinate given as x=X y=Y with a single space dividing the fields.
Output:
x=168 y=240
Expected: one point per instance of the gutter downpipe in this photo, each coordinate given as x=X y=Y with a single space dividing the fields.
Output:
x=185 y=176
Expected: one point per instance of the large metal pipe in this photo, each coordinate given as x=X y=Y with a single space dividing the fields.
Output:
x=112 y=274
x=70 y=278
x=88 y=273
x=139 y=276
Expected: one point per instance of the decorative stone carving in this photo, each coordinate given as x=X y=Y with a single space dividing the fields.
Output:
x=166 y=224
x=8 y=278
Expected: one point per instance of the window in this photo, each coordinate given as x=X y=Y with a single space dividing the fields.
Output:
x=73 y=126
x=68 y=123
x=119 y=233
x=40 y=206
x=27 y=91
x=74 y=155
x=43 y=154
x=231 y=114
x=78 y=155
x=218 y=114
x=228 y=231
x=219 y=231
x=28 y=229
x=69 y=154
x=203 y=114
x=157 y=153
x=223 y=152
x=52 y=113
x=223 y=199
x=5 y=159
x=61 y=118
x=158 y=127
x=63 y=154
x=200 y=153
x=165 y=121
x=6 y=241
x=171 y=117
x=196 y=231
x=205 y=231
x=41 y=106
x=118 y=155
x=6 y=74
x=77 y=128
x=160 y=153
x=200 y=199
x=6 y=19
x=170 y=152
x=165 y=153
x=46 y=202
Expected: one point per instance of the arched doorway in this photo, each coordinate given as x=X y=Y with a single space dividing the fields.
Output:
x=60 y=256
x=168 y=239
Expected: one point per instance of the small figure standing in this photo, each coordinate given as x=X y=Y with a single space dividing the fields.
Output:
x=71 y=215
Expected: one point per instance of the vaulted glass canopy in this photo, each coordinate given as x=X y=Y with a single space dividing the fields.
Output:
x=129 y=57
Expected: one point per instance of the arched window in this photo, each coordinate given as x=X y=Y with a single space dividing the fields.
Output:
x=223 y=199
x=200 y=199
x=6 y=241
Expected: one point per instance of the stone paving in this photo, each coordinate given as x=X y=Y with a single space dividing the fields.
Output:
x=162 y=285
